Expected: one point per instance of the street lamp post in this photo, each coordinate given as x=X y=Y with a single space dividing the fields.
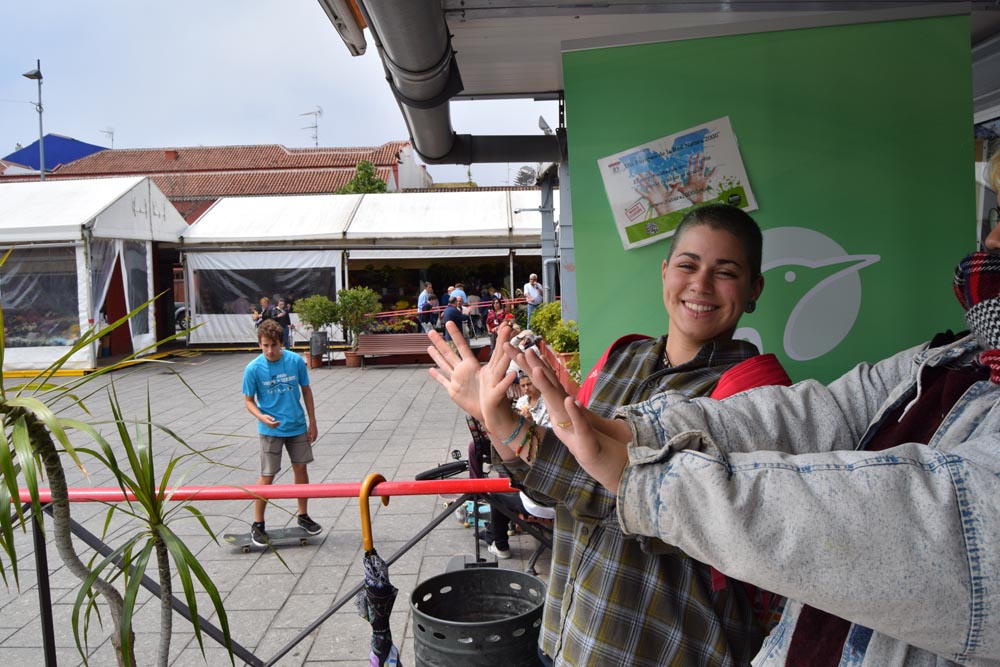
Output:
x=36 y=75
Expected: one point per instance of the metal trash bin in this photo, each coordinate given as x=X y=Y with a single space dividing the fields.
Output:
x=477 y=617
x=319 y=344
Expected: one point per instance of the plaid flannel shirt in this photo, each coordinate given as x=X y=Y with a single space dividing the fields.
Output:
x=612 y=600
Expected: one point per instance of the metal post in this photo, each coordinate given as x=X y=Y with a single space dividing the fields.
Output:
x=567 y=253
x=44 y=591
x=41 y=132
x=36 y=75
x=549 y=256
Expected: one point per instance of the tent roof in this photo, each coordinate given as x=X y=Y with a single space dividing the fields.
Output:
x=374 y=217
x=281 y=218
x=124 y=208
x=428 y=214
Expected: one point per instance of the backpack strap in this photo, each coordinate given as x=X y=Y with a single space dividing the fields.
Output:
x=587 y=388
x=759 y=371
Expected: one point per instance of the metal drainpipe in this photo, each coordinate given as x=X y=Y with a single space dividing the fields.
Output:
x=549 y=278
x=413 y=42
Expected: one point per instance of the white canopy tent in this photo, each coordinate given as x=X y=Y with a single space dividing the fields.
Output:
x=246 y=247
x=68 y=237
x=243 y=248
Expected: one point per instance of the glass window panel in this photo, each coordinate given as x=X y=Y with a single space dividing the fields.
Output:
x=102 y=264
x=38 y=292
x=137 y=288
x=234 y=292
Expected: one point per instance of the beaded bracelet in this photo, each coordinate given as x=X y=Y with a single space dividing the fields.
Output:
x=516 y=431
x=528 y=437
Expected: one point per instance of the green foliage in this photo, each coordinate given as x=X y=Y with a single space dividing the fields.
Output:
x=318 y=311
x=153 y=510
x=365 y=181
x=546 y=318
x=37 y=437
x=358 y=306
x=564 y=337
x=561 y=335
x=573 y=366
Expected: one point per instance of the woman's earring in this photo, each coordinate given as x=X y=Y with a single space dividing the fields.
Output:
x=751 y=306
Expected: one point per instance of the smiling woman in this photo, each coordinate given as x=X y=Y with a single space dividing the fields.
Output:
x=710 y=277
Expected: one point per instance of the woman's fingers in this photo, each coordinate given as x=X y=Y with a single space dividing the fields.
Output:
x=440 y=349
x=464 y=351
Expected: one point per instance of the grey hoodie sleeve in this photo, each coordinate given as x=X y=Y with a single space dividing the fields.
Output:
x=888 y=540
x=806 y=417
x=884 y=539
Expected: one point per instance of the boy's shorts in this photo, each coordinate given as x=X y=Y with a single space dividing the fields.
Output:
x=299 y=451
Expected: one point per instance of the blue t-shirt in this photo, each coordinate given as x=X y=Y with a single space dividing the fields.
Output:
x=275 y=386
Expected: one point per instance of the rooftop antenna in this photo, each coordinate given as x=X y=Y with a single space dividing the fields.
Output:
x=109 y=132
x=315 y=125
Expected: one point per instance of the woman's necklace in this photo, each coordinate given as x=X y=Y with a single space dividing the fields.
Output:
x=666 y=359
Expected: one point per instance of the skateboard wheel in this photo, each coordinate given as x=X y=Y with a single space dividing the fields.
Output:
x=246 y=550
x=303 y=542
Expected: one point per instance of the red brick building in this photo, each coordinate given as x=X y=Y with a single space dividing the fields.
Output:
x=193 y=178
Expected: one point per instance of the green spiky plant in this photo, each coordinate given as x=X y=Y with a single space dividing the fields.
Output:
x=32 y=424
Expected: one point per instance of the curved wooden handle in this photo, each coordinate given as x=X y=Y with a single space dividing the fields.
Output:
x=371 y=481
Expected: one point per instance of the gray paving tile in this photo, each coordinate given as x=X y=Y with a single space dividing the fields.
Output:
x=397 y=421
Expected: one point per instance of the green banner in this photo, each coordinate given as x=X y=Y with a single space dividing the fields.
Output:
x=857 y=142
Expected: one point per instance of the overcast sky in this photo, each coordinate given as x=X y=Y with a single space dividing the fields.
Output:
x=212 y=72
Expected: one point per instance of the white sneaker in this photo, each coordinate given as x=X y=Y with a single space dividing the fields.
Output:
x=502 y=554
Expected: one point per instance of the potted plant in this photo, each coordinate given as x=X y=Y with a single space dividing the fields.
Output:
x=357 y=308
x=561 y=343
x=318 y=312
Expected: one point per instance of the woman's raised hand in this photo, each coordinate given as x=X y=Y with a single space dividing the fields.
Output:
x=602 y=456
x=457 y=370
x=494 y=381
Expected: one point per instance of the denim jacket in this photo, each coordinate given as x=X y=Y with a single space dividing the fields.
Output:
x=904 y=543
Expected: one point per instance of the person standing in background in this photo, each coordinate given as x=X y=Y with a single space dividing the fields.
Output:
x=532 y=295
x=284 y=319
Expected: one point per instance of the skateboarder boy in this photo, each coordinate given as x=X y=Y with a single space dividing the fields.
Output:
x=271 y=386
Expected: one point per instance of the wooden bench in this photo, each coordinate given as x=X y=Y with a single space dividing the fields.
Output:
x=394 y=344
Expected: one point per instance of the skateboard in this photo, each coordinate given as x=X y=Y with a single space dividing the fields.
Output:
x=276 y=537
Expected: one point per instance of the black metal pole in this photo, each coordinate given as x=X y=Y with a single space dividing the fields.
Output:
x=434 y=523
x=44 y=590
x=153 y=587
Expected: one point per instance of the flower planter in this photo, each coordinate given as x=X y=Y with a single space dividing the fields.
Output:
x=557 y=361
x=352 y=359
x=313 y=361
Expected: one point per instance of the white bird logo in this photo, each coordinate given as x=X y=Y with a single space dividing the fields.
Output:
x=825 y=314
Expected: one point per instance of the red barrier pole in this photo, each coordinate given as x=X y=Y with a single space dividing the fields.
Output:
x=282 y=491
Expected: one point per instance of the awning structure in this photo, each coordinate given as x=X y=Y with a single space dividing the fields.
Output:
x=432 y=215
x=83 y=252
x=439 y=252
x=397 y=221
x=65 y=210
x=245 y=248
x=265 y=219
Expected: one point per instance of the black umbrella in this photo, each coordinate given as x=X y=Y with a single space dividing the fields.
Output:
x=374 y=601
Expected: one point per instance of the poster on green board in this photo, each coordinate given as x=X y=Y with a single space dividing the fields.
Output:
x=857 y=142
x=651 y=186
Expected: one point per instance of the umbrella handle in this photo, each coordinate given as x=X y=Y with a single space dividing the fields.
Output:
x=371 y=481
